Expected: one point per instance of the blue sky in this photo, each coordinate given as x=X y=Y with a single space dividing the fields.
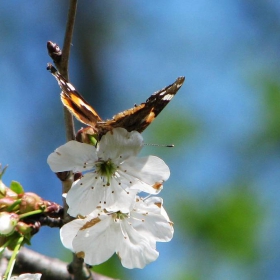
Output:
x=221 y=47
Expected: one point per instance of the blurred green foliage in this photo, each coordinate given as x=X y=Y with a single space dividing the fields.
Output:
x=229 y=222
x=111 y=268
x=173 y=128
x=271 y=102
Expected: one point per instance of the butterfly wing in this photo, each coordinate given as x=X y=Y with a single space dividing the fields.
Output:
x=74 y=101
x=140 y=116
x=136 y=118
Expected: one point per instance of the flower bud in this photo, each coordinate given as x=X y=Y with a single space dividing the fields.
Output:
x=87 y=135
x=30 y=202
x=24 y=228
x=8 y=221
x=6 y=202
x=10 y=193
x=2 y=189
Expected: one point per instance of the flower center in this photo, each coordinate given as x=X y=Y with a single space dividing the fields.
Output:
x=106 y=168
x=119 y=216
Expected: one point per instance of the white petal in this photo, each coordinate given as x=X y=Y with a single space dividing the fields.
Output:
x=155 y=200
x=69 y=231
x=151 y=220
x=148 y=171
x=98 y=242
x=27 y=276
x=91 y=192
x=135 y=251
x=119 y=144
x=72 y=156
x=84 y=195
x=118 y=199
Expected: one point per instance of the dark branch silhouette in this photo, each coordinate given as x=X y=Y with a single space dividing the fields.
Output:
x=29 y=261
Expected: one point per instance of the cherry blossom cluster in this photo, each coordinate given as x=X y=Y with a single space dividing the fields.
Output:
x=15 y=206
x=20 y=212
x=111 y=216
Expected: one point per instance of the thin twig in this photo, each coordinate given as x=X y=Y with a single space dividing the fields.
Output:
x=69 y=122
x=63 y=64
x=68 y=38
x=63 y=68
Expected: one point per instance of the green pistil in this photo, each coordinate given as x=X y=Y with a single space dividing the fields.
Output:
x=106 y=168
x=119 y=215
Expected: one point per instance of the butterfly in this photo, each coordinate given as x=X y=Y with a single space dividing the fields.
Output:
x=136 y=118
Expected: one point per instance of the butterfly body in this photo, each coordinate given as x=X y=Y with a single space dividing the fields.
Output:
x=136 y=118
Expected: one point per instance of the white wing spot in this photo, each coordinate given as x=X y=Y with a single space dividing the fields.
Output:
x=168 y=97
x=162 y=93
x=70 y=86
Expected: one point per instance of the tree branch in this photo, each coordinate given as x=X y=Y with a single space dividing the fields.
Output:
x=29 y=261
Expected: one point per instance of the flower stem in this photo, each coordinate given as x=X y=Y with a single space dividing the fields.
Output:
x=11 y=207
x=30 y=213
x=3 y=247
x=12 y=260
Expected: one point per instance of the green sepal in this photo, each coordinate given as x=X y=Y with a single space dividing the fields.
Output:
x=27 y=239
x=2 y=171
x=92 y=139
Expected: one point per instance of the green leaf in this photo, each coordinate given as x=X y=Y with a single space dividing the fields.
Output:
x=16 y=187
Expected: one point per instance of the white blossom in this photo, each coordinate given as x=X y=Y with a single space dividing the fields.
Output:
x=114 y=173
x=131 y=235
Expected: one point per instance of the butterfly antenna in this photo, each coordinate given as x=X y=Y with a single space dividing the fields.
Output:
x=157 y=145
